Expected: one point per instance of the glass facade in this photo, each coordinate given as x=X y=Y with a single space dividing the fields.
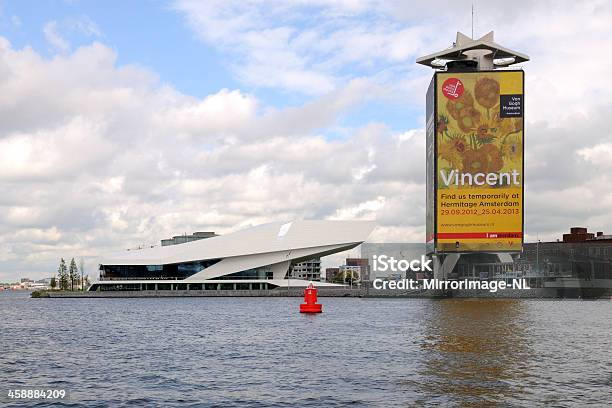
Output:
x=170 y=271
x=180 y=271
x=264 y=272
x=181 y=286
x=120 y=287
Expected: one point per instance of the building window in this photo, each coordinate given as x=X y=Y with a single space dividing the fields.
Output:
x=169 y=271
x=263 y=272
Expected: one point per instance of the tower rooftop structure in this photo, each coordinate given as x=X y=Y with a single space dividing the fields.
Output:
x=469 y=54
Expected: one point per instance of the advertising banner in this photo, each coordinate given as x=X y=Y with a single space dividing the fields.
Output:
x=478 y=200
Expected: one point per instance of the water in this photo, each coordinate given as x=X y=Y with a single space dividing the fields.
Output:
x=261 y=352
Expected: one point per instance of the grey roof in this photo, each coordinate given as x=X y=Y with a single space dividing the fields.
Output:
x=465 y=44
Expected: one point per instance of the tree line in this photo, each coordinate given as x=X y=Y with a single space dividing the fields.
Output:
x=68 y=276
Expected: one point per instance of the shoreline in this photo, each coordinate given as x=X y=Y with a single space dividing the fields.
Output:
x=534 y=293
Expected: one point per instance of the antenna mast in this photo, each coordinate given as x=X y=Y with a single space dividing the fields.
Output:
x=472 y=20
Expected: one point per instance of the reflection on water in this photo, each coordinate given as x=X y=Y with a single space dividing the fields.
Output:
x=476 y=350
x=261 y=352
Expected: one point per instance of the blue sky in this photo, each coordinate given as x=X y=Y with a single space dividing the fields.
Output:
x=146 y=33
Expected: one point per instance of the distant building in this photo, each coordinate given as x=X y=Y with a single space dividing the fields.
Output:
x=357 y=267
x=331 y=274
x=579 y=234
x=580 y=255
x=351 y=270
x=36 y=285
x=363 y=264
x=27 y=283
x=181 y=239
x=309 y=270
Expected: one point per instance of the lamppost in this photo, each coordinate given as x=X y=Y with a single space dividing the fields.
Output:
x=538 y=255
x=82 y=267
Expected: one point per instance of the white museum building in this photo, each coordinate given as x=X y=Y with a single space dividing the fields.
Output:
x=256 y=258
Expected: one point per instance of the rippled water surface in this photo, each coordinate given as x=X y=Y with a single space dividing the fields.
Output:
x=261 y=352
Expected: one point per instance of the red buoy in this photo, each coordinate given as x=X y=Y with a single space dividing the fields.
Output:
x=310 y=299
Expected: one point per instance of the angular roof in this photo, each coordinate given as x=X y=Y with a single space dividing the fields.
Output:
x=257 y=240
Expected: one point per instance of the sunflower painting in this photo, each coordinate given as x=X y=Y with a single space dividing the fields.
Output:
x=472 y=136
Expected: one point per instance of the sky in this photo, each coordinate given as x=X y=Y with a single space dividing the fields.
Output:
x=123 y=123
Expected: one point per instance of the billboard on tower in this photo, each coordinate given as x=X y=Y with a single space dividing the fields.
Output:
x=475 y=161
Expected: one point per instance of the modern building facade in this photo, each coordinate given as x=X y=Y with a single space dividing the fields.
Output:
x=309 y=270
x=253 y=259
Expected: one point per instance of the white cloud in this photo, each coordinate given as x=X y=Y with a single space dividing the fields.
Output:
x=83 y=25
x=365 y=210
x=38 y=156
x=313 y=47
x=303 y=46
x=598 y=155
x=55 y=32
x=54 y=38
x=107 y=157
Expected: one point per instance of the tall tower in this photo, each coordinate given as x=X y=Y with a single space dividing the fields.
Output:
x=474 y=111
